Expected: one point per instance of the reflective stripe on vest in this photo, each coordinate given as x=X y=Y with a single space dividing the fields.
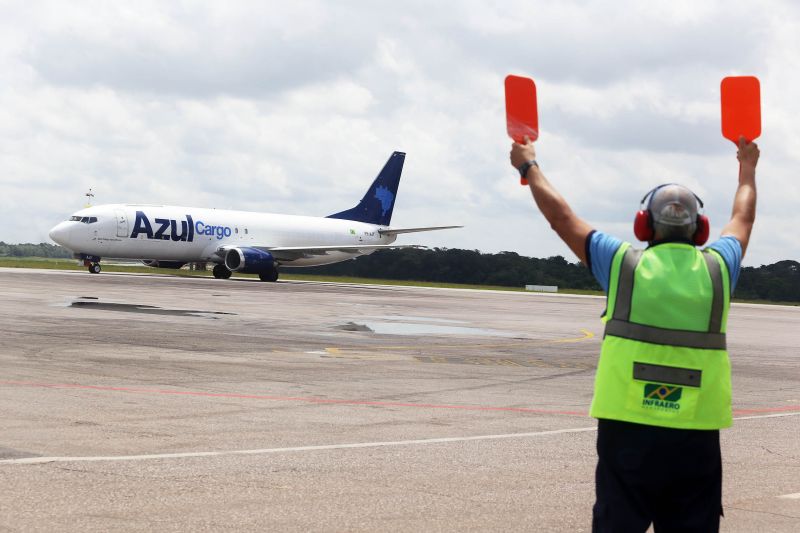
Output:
x=620 y=325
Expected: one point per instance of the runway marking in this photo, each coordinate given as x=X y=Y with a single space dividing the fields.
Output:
x=774 y=412
x=782 y=409
x=796 y=412
x=497 y=361
x=526 y=342
x=795 y=496
x=323 y=447
x=331 y=401
x=586 y=336
x=40 y=460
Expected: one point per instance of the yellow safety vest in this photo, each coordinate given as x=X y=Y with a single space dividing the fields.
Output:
x=664 y=361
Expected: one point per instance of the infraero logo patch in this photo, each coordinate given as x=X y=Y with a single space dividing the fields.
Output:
x=662 y=397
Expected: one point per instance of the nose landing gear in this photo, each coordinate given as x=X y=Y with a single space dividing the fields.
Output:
x=93 y=266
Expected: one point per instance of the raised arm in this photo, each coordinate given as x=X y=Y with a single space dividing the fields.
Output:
x=572 y=229
x=744 y=202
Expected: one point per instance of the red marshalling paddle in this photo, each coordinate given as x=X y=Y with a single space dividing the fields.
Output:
x=741 y=108
x=522 y=115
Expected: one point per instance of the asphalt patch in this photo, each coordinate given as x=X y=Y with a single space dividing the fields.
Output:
x=352 y=326
x=11 y=453
x=145 y=309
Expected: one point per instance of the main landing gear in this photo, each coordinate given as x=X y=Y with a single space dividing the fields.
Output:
x=269 y=276
x=220 y=272
x=93 y=266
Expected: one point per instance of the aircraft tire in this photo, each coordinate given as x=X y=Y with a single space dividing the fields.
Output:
x=269 y=276
x=94 y=268
x=220 y=272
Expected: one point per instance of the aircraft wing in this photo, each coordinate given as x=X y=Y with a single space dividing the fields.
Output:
x=397 y=231
x=287 y=254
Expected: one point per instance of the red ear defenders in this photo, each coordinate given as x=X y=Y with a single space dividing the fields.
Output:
x=643 y=223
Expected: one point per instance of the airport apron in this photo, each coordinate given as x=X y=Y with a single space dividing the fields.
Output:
x=663 y=360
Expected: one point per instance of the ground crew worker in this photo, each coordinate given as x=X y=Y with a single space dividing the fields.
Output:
x=662 y=388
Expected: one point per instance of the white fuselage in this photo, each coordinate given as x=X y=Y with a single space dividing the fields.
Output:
x=189 y=234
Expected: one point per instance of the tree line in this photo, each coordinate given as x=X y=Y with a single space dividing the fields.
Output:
x=452 y=265
x=33 y=250
x=779 y=282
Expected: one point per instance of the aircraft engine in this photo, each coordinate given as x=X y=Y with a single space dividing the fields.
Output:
x=162 y=264
x=249 y=261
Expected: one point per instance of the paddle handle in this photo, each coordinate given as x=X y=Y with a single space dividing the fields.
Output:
x=522 y=179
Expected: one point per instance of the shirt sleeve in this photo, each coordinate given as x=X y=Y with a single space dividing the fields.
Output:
x=730 y=249
x=601 y=248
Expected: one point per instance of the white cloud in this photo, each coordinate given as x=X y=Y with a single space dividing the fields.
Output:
x=294 y=107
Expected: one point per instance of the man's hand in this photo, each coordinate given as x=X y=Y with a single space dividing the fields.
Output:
x=522 y=153
x=748 y=153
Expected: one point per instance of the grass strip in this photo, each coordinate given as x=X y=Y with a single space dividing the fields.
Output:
x=72 y=264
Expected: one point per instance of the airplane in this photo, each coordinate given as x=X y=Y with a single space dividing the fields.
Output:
x=236 y=241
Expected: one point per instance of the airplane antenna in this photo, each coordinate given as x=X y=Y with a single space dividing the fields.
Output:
x=89 y=195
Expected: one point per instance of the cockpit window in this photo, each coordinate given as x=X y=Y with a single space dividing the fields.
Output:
x=85 y=220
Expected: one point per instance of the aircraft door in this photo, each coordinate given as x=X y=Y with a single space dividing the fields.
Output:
x=122 y=223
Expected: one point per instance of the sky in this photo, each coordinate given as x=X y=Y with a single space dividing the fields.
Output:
x=294 y=107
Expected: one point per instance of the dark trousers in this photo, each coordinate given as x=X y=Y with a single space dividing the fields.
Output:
x=670 y=477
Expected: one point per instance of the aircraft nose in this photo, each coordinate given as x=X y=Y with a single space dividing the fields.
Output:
x=59 y=233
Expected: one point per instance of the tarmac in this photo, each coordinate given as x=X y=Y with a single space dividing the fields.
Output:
x=148 y=402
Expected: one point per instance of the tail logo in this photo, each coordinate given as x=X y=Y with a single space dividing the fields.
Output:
x=385 y=197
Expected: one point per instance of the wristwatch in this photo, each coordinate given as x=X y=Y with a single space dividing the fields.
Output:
x=526 y=166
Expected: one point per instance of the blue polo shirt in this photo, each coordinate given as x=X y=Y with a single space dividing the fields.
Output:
x=601 y=247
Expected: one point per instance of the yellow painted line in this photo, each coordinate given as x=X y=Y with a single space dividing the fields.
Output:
x=336 y=352
x=586 y=336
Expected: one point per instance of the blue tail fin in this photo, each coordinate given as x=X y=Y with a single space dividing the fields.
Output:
x=377 y=205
